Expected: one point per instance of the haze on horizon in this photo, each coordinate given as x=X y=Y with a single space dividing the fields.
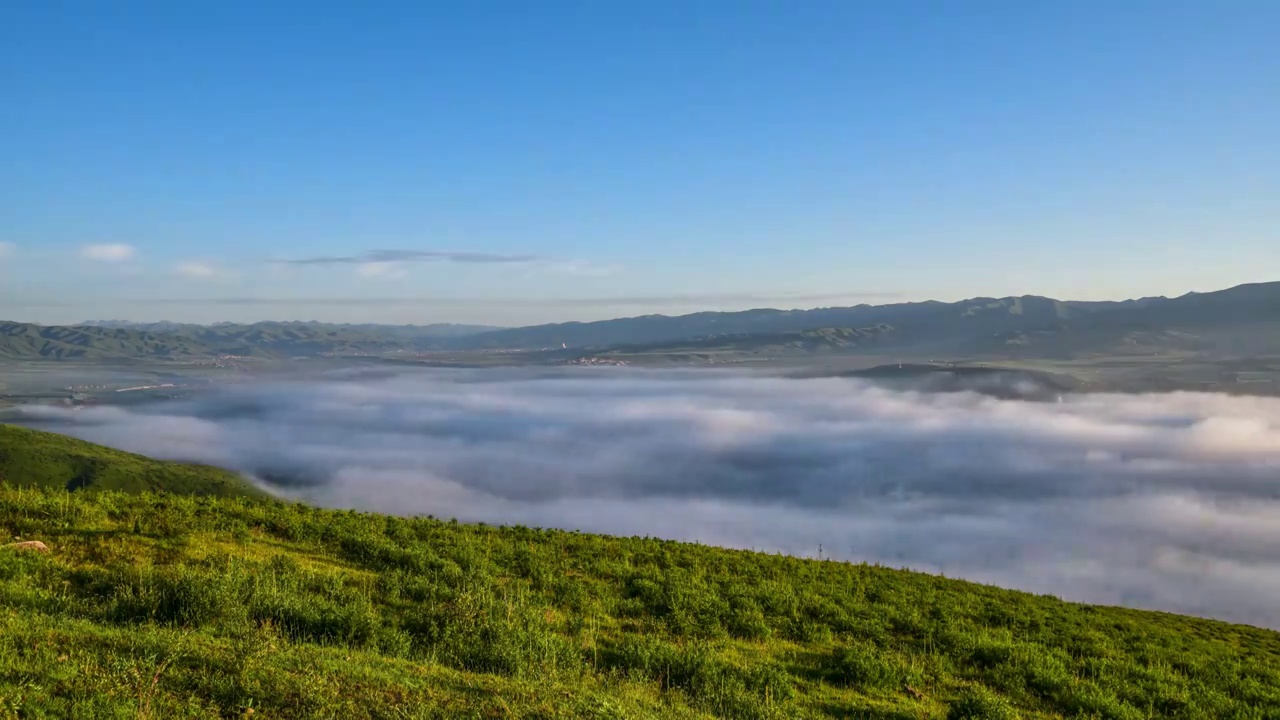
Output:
x=494 y=163
x=373 y=310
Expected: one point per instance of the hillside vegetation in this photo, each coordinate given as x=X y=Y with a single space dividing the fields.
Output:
x=31 y=458
x=200 y=606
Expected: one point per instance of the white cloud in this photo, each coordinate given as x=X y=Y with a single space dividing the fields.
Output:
x=583 y=268
x=384 y=263
x=398 y=256
x=380 y=270
x=109 y=252
x=576 y=268
x=7 y=249
x=197 y=270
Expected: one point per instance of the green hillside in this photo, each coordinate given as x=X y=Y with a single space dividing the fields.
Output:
x=24 y=341
x=30 y=458
x=172 y=606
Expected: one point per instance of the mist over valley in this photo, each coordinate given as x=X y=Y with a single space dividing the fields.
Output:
x=1168 y=501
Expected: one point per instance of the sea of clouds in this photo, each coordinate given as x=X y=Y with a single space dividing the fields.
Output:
x=1166 y=501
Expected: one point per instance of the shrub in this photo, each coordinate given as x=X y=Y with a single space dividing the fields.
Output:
x=806 y=630
x=864 y=667
x=1088 y=700
x=746 y=621
x=988 y=654
x=1047 y=675
x=180 y=595
x=481 y=632
x=304 y=618
x=978 y=703
x=724 y=689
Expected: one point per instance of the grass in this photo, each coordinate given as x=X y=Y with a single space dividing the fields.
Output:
x=220 y=604
x=41 y=459
x=200 y=606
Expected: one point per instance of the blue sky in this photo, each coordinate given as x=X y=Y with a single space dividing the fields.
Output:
x=512 y=163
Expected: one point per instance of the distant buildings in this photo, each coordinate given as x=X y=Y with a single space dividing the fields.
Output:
x=597 y=361
x=1256 y=379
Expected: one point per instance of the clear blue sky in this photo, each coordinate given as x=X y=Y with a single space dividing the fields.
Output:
x=521 y=162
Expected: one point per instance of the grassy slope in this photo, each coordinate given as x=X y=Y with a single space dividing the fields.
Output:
x=41 y=459
x=197 y=606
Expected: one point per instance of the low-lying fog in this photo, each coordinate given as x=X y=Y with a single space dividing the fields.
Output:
x=1160 y=501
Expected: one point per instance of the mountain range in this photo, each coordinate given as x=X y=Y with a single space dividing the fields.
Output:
x=433 y=330
x=1240 y=320
x=105 y=341
x=978 y=325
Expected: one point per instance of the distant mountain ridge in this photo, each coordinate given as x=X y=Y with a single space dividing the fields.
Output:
x=430 y=330
x=1243 y=319
x=1246 y=317
x=978 y=313
x=25 y=341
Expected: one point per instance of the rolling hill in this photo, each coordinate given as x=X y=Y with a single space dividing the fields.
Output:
x=24 y=341
x=196 y=606
x=434 y=330
x=31 y=458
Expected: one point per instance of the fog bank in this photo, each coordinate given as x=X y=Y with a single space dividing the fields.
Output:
x=1160 y=501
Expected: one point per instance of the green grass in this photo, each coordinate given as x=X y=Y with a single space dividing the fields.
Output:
x=167 y=606
x=41 y=459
